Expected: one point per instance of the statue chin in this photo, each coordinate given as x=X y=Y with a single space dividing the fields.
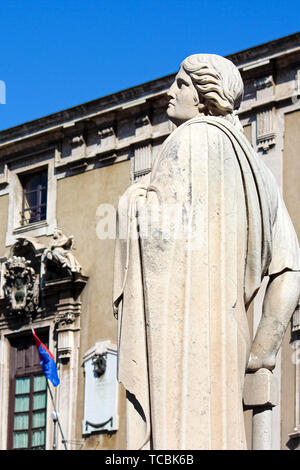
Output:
x=185 y=116
x=170 y=114
x=175 y=120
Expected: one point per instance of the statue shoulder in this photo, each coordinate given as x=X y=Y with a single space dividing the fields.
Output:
x=186 y=131
x=206 y=126
x=204 y=130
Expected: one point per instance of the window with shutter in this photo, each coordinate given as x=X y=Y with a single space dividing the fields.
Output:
x=28 y=396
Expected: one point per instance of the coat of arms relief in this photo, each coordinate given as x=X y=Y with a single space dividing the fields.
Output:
x=21 y=287
x=32 y=271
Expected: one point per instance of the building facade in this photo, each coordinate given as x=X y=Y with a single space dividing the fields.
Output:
x=60 y=180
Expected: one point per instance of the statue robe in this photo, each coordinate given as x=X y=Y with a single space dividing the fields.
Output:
x=181 y=300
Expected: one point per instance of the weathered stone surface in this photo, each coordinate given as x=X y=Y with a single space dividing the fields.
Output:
x=260 y=389
x=182 y=286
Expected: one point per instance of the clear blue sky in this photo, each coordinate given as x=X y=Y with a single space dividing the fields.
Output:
x=59 y=53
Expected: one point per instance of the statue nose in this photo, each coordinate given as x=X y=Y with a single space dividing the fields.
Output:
x=170 y=94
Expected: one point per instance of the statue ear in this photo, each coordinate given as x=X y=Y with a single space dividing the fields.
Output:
x=202 y=108
x=201 y=103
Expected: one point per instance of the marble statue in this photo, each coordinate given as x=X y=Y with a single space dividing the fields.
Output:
x=182 y=290
x=60 y=255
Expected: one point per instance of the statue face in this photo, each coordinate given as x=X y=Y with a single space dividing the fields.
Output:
x=184 y=100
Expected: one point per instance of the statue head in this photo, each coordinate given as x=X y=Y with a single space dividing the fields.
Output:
x=206 y=84
x=59 y=239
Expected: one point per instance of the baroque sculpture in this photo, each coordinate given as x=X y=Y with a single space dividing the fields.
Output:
x=183 y=284
x=59 y=257
x=21 y=287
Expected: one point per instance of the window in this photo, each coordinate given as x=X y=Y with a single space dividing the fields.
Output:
x=28 y=396
x=29 y=424
x=34 y=198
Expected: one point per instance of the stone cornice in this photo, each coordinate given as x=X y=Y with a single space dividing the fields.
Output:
x=15 y=139
x=266 y=50
x=275 y=101
x=120 y=101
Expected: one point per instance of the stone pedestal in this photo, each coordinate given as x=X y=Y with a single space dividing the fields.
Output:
x=261 y=394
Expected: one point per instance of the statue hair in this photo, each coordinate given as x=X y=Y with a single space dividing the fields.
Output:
x=219 y=85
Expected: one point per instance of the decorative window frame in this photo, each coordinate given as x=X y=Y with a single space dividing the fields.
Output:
x=36 y=229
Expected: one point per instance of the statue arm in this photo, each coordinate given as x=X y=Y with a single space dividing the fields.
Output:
x=280 y=301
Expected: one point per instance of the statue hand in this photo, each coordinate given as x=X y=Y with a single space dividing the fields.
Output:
x=280 y=302
x=260 y=360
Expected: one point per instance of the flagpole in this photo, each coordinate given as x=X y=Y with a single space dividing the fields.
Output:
x=51 y=372
x=58 y=422
x=54 y=419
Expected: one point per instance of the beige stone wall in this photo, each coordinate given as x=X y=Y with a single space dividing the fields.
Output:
x=77 y=200
x=291 y=195
x=291 y=166
x=3 y=224
x=248 y=132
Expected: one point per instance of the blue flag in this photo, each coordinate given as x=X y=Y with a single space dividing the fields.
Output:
x=47 y=361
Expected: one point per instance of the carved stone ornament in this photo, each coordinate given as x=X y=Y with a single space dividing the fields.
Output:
x=77 y=140
x=266 y=134
x=100 y=389
x=58 y=258
x=99 y=364
x=142 y=120
x=21 y=286
x=263 y=82
x=67 y=312
x=106 y=132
